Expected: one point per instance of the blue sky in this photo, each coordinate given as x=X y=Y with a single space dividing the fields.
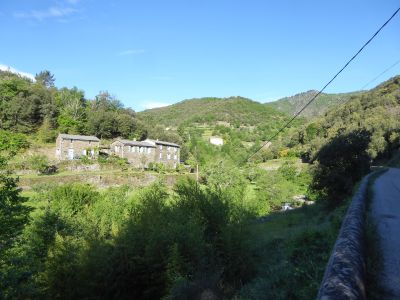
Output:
x=150 y=53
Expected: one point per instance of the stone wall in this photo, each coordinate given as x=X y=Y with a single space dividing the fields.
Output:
x=105 y=180
x=344 y=276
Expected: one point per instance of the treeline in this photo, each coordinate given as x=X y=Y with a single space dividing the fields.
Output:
x=39 y=107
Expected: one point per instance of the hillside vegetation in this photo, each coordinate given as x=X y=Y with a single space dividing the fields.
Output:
x=242 y=123
x=293 y=104
x=375 y=112
x=41 y=108
x=234 y=110
x=223 y=236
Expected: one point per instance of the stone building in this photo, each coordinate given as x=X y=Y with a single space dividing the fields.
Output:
x=69 y=146
x=139 y=154
x=166 y=153
x=216 y=140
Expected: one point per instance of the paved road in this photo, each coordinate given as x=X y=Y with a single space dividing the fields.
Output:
x=385 y=208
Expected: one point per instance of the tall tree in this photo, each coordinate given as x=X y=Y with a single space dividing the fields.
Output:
x=45 y=78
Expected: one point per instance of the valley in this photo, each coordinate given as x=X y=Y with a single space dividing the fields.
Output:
x=158 y=230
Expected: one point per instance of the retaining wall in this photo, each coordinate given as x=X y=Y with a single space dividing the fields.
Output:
x=344 y=276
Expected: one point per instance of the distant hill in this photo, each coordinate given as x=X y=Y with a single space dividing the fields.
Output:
x=322 y=103
x=234 y=110
x=375 y=111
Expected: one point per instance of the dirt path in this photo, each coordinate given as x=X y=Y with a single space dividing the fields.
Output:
x=385 y=209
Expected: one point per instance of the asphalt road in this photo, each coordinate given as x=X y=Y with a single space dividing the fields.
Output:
x=385 y=210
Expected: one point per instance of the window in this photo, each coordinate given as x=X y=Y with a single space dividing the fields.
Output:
x=160 y=147
x=168 y=156
x=160 y=155
x=84 y=152
x=137 y=149
x=148 y=150
x=129 y=148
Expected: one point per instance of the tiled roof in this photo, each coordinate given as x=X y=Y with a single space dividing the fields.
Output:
x=78 y=137
x=136 y=143
x=164 y=143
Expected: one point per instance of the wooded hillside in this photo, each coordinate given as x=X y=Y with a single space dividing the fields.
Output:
x=235 y=110
x=322 y=103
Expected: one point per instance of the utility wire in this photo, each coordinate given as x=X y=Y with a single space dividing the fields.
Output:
x=320 y=91
x=388 y=69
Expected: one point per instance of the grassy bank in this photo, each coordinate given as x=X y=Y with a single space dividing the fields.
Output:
x=293 y=249
x=101 y=179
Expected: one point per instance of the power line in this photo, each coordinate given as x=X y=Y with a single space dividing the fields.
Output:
x=320 y=91
x=388 y=69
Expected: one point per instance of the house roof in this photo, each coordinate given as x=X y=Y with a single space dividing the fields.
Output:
x=78 y=137
x=163 y=143
x=135 y=143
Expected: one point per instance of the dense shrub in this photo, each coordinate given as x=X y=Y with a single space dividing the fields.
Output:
x=39 y=163
x=143 y=244
x=70 y=199
x=341 y=163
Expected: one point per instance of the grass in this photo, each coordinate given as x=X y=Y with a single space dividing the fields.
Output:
x=100 y=172
x=274 y=164
x=294 y=248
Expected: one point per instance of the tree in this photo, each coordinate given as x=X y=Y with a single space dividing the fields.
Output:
x=126 y=125
x=13 y=214
x=102 y=123
x=72 y=103
x=105 y=101
x=45 y=78
x=341 y=162
x=46 y=133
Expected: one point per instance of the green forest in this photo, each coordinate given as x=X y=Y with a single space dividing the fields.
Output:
x=222 y=236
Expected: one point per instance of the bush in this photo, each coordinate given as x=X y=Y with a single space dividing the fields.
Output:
x=39 y=163
x=341 y=163
x=73 y=198
x=288 y=170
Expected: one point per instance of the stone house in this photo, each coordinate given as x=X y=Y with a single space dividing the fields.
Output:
x=139 y=154
x=69 y=146
x=166 y=152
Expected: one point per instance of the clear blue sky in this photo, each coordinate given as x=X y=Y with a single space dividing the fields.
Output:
x=149 y=53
